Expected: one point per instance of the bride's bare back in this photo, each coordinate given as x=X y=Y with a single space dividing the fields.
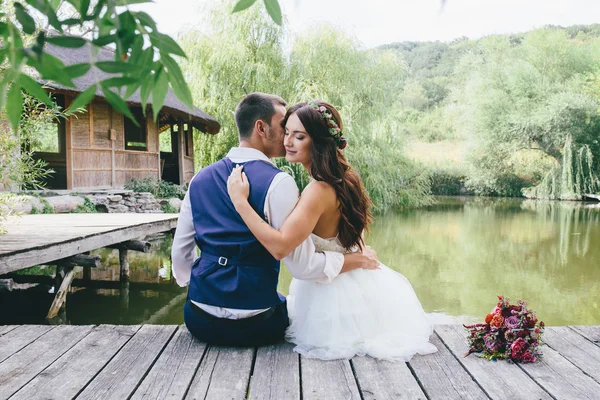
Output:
x=327 y=225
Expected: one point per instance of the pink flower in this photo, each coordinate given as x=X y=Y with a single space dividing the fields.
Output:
x=527 y=357
x=512 y=322
x=518 y=347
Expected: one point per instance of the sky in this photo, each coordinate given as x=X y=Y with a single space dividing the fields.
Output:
x=377 y=22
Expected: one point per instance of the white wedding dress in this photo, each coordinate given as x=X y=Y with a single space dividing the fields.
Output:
x=361 y=312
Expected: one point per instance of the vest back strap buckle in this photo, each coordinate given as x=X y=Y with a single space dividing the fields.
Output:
x=222 y=261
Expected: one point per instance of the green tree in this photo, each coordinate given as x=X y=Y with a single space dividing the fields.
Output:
x=527 y=97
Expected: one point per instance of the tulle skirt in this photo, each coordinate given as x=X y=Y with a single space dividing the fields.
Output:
x=361 y=312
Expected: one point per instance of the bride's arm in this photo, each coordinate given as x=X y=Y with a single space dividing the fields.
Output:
x=296 y=228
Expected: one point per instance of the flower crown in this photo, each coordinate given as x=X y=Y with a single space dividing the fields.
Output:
x=334 y=129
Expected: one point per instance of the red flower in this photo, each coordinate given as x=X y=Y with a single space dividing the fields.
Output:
x=497 y=321
x=488 y=318
x=527 y=357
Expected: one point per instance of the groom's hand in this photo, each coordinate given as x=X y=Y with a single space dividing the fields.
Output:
x=366 y=259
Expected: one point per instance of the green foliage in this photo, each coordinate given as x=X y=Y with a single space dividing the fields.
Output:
x=159 y=189
x=169 y=209
x=87 y=207
x=571 y=179
x=245 y=53
x=143 y=56
x=447 y=182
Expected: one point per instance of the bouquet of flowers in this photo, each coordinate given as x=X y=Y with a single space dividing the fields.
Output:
x=511 y=332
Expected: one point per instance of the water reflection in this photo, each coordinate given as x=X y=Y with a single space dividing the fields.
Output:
x=461 y=253
x=458 y=254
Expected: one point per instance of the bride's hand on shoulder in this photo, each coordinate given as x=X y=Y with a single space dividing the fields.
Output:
x=238 y=186
x=371 y=261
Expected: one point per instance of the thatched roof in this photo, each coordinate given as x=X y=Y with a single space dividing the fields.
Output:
x=172 y=104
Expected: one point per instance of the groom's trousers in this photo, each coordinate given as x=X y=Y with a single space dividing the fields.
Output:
x=262 y=329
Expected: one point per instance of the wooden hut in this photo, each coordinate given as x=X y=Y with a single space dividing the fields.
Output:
x=102 y=149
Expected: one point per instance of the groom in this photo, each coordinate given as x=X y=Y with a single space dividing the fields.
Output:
x=232 y=294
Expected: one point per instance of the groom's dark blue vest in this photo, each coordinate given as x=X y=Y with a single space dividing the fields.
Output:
x=234 y=270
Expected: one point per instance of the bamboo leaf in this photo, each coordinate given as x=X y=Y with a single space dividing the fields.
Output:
x=242 y=5
x=146 y=20
x=83 y=7
x=127 y=2
x=48 y=9
x=145 y=91
x=180 y=87
x=119 y=81
x=77 y=70
x=131 y=89
x=116 y=67
x=26 y=21
x=166 y=44
x=35 y=89
x=159 y=92
x=104 y=40
x=52 y=68
x=71 y=42
x=274 y=10
x=14 y=105
x=118 y=104
x=83 y=99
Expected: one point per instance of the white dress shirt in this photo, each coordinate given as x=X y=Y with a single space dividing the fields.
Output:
x=303 y=262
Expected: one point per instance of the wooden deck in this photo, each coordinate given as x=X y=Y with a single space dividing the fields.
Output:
x=159 y=362
x=38 y=239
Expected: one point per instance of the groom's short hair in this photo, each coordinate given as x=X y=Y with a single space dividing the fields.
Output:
x=255 y=106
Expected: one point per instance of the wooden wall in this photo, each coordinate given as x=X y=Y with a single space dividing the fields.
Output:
x=99 y=158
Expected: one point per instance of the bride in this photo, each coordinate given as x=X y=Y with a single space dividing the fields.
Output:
x=361 y=312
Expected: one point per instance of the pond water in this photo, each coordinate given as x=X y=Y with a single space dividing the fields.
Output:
x=459 y=254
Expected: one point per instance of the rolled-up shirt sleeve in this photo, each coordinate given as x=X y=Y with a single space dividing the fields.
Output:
x=183 y=252
x=303 y=262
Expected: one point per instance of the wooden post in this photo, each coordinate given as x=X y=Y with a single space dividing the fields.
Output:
x=6 y=285
x=135 y=245
x=124 y=276
x=181 y=155
x=69 y=146
x=61 y=295
x=124 y=295
x=91 y=123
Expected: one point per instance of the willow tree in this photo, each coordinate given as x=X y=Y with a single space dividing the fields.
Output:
x=526 y=98
x=241 y=53
x=249 y=54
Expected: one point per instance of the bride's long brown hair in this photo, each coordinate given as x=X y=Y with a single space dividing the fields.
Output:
x=330 y=165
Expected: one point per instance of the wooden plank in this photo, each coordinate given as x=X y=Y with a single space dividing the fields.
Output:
x=53 y=249
x=591 y=333
x=385 y=380
x=560 y=378
x=4 y=329
x=327 y=380
x=15 y=339
x=276 y=373
x=223 y=374
x=500 y=380
x=174 y=370
x=575 y=348
x=125 y=371
x=74 y=369
x=25 y=365
x=443 y=377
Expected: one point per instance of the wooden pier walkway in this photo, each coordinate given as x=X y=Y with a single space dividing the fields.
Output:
x=39 y=239
x=160 y=362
